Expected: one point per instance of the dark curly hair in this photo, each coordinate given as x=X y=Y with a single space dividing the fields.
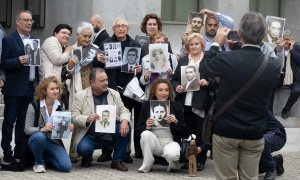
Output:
x=145 y=20
x=154 y=85
x=41 y=89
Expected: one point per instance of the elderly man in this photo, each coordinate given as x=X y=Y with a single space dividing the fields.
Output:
x=19 y=86
x=99 y=30
x=238 y=133
x=117 y=77
x=84 y=117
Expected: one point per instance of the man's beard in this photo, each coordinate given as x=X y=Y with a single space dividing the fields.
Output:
x=96 y=29
x=211 y=33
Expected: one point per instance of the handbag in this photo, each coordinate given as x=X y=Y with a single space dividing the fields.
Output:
x=212 y=117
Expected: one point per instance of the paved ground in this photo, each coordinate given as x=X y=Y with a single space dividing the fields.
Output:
x=291 y=153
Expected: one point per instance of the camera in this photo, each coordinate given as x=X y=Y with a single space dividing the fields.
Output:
x=233 y=36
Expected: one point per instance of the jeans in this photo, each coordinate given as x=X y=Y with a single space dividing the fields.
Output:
x=45 y=150
x=89 y=143
x=274 y=141
x=14 y=112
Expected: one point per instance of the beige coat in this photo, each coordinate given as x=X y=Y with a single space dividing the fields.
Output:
x=83 y=106
x=52 y=58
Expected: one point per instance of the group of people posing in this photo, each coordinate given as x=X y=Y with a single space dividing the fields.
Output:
x=244 y=136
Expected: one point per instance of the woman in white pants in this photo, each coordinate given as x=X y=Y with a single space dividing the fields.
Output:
x=161 y=141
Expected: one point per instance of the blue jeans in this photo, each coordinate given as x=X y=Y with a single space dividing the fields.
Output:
x=89 y=143
x=45 y=150
x=14 y=112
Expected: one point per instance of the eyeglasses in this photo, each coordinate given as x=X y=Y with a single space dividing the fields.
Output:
x=120 y=26
x=28 y=20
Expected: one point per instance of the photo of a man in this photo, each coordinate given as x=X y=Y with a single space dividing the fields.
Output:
x=105 y=119
x=36 y=52
x=130 y=59
x=190 y=73
x=275 y=28
x=195 y=23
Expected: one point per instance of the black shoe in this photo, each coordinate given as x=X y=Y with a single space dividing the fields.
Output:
x=160 y=160
x=270 y=176
x=86 y=162
x=284 y=114
x=138 y=156
x=200 y=166
x=279 y=164
x=104 y=157
x=127 y=158
x=8 y=158
x=185 y=166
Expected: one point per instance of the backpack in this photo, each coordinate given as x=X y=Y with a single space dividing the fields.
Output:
x=27 y=158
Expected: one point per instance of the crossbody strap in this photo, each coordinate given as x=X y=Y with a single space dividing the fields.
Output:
x=246 y=86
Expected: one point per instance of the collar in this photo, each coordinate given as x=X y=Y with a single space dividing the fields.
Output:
x=55 y=105
x=250 y=45
x=207 y=39
x=99 y=32
x=24 y=36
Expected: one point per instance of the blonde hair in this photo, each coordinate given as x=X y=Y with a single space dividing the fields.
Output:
x=190 y=37
x=41 y=89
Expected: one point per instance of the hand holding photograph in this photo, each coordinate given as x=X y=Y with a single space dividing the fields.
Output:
x=113 y=55
x=159 y=110
x=32 y=51
x=190 y=78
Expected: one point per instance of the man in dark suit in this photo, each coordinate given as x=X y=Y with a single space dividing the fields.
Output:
x=36 y=52
x=192 y=81
x=19 y=86
x=132 y=59
x=100 y=32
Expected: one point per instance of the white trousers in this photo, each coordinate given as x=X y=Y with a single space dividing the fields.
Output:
x=151 y=146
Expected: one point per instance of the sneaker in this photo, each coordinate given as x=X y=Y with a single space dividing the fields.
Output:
x=8 y=158
x=279 y=164
x=39 y=169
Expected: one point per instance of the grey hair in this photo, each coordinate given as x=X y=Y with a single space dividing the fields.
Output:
x=118 y=19
x=94 y=71
x=253 y=28
x=18 y=14
x=287 y=33
x=85 y=25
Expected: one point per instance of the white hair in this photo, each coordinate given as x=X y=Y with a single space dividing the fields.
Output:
x=85 y=25
x=118 y=19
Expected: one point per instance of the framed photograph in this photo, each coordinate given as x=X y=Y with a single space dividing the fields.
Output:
x=159 y=60
x=142 y=40
x=190 y=78
x=61 y=121
x=113 y=55
x=37 y=8
x=5 y=12
x=131 y=57
x=107 y=121
x=275 y=28
x=88 y=54
x=159 y=110
x=32 y=51
x=195 y=23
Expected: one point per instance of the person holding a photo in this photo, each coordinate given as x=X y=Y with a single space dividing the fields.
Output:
x=161 y=142
x=44 y=149
x=157 y=38
x=55 y=52
x=196 y=103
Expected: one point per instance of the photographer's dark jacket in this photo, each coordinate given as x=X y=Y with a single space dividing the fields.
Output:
x=246 y=117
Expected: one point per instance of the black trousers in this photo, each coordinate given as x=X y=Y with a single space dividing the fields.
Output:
x=294 y=95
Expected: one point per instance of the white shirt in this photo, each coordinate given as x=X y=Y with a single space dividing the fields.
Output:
x=48 y=118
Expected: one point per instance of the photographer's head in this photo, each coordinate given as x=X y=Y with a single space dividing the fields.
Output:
x=252 y=28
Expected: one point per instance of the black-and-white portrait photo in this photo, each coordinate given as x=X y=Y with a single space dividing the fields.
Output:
x=275 y=28
x=61 y=122
x=32 y=50
x=142 y=40
x=131 y=57
x=88 y=54
x=107 y=121
x=195 y=23
x=190 y=78
x=159 y=110
x=159 y=60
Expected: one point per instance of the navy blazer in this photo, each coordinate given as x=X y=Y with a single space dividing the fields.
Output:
x=17 y=75
x=201 y=99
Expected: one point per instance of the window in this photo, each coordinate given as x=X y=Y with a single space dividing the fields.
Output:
x=37 y=8
x=266 y=7
x=5 y=12
x=177 y=10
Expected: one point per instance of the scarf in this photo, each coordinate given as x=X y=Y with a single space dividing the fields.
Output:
x=288 y=79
